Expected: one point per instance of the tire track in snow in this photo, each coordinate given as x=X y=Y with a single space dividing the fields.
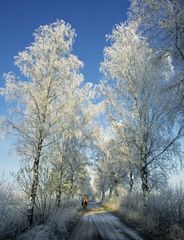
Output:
x=98 y=224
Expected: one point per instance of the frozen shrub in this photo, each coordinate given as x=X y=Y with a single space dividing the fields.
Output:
x=132 y=207
x=12 y=213
x=165 y=210
x=165 y=213
x=176 y=232
x=57 y=226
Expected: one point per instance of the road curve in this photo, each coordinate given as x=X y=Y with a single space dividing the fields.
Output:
x=98 y=224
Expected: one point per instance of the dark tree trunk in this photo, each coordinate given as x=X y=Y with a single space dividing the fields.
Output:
x=144 y=179
x=59 y=190
x=131 y=182
x=144 y=171
x=103 y=196
x=33 y=191
x=58 y=196
x=72 y=186
x=116 y=182
x=35 y=181
x=110 y=192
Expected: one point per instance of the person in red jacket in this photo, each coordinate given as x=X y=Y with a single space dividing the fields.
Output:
x=85 y=201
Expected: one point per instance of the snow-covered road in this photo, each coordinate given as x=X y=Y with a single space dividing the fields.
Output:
x=98 y=224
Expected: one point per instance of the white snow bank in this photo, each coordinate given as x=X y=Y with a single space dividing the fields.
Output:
x=56 y=228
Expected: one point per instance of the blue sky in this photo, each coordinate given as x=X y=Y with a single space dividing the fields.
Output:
x=92 y=20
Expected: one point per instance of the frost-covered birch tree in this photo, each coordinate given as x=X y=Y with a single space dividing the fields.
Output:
x=163 y=23
x=136 y=104
x=44 y=101
x=110 y=170
x=71 y=154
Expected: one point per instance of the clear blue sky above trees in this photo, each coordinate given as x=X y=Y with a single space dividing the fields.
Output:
x=92 y=20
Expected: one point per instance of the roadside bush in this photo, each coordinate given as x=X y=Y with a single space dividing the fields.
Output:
x=12 y=213
x=165 y=213
x=14 y=224
x=57 y=225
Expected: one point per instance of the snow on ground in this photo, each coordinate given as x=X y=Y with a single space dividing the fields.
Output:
x=98 y=224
